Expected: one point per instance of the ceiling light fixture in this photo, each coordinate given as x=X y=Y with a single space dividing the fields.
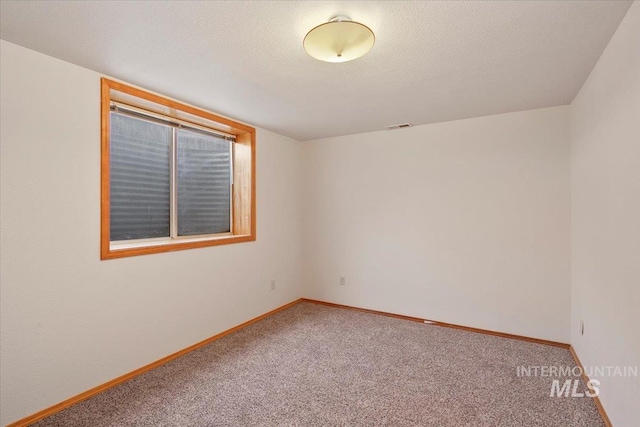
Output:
x=339 y=40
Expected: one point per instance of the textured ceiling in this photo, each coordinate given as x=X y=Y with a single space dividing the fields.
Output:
x=432 y=61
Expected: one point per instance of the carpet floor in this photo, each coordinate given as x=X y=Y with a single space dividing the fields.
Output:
x=313 y=365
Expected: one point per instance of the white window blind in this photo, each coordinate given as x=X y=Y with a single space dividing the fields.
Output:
x=140 y=178
x=142 y=175
x=204 y=184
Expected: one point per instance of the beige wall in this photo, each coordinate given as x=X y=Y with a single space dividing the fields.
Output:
x=464 y=222
x=605 y=219
x=70 y=321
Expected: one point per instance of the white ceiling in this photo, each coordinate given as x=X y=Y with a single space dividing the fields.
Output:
x=432 y=61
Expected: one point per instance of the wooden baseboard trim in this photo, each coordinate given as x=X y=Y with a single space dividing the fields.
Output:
x=596 y=399
x=99 y=389
x=443 y=324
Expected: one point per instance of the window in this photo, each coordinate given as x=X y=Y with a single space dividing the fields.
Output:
x=173 y=176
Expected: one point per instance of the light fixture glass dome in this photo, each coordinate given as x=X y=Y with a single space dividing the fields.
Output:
x=339 y=40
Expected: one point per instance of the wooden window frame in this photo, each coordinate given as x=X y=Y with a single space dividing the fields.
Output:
x=244 y=173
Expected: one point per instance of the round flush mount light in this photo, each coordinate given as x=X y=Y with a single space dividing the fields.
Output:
x=339 y=40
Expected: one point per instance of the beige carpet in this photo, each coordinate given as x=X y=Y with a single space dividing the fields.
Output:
x=313 y=365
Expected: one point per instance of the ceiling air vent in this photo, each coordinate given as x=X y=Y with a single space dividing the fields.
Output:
x=400 y=126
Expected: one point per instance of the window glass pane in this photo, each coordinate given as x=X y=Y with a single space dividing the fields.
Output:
x=140 y=153
x=204 y=184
